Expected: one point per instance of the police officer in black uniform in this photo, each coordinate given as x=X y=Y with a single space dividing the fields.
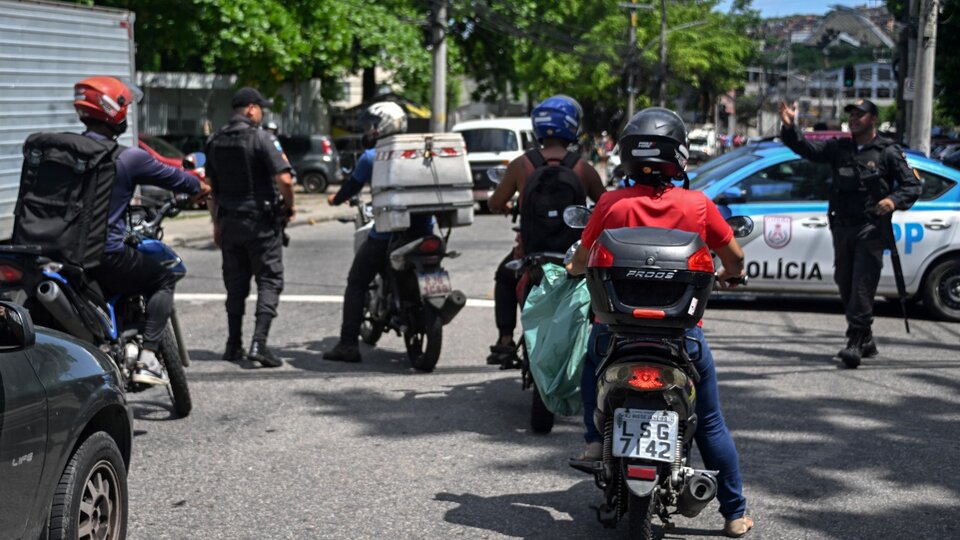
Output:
x=871 y=179
x=252 y=201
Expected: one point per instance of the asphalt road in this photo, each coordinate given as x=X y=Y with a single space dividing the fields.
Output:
x=375 y=450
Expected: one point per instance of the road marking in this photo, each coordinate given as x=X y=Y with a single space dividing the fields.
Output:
x=301 y=298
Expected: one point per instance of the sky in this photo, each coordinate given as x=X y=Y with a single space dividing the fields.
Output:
x=779 y=8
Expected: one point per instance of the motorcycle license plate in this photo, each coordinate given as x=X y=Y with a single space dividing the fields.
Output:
x=434 y=283
x=643 y=434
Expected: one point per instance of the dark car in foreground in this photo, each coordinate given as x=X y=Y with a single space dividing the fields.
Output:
x=65 y=435
x=315 y=160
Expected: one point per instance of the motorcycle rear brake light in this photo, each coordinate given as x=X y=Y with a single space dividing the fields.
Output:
x=649 y=314
x=600 y=257
x=701 y=261
x=645 y=378
x=10 y=274
x=641 y=473
x=429 y=245
x=325 y=147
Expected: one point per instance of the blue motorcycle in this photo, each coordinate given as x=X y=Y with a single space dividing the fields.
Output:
x=59 y=296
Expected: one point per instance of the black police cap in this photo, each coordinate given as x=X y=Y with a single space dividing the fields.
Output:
x=247 y=95
x=863 y=105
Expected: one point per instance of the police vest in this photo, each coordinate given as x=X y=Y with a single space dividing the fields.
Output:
x=859 y=179
x=241 y=174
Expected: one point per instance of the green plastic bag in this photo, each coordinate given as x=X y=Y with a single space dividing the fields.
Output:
x=556 y=328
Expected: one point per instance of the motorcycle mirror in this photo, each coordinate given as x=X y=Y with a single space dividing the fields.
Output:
x=495 y=174
x=514 y=265
x=742 y=226
x=194 y=160
x=576 y=217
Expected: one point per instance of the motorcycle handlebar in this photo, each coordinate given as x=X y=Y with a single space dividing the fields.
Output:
x=736 y=280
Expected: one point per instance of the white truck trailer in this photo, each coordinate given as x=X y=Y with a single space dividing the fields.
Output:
x=46 y=47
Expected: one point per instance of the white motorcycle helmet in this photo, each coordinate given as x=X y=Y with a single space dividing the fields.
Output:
x=383 y=119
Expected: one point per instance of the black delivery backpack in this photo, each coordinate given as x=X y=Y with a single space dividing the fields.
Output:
x=549 y=189
x=65 y=188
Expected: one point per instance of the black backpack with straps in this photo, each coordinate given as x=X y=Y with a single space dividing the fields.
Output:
x=549 y=189
x=65 y=188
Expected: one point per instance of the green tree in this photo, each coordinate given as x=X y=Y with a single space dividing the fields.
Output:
x=267 y=42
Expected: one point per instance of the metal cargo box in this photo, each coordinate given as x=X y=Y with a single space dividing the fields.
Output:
x=421 y=174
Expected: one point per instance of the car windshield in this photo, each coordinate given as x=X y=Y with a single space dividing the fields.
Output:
x=698 y=140
x=490 y=140
x=162 y=147
x=718 y=172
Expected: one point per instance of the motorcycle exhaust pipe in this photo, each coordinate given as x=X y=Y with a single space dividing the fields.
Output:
x=55 y=301
x=701 y=488
x=452 y=305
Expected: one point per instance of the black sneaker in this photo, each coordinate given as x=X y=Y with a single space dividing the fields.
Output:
x=259 y=352
x=233 y=352
x=343 y=353
x=500 y=354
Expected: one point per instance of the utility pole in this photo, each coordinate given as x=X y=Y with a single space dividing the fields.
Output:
x=438 y=118
x=663 y=54
x=926 y=56
x=632 y=54
x=909 y=81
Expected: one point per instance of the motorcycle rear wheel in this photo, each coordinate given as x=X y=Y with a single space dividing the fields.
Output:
x=423 y=348
x=178 y=389
x=541 y=418
x=639 y=517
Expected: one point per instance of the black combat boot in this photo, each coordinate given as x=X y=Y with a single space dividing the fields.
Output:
x=233 y=351
x=851 y=353
x=261 y=353
x=869 y=347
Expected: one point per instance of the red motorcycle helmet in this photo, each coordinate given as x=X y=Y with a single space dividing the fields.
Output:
x=105 y=100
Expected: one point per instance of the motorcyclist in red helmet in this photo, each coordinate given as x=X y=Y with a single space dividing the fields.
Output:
x=102 y=104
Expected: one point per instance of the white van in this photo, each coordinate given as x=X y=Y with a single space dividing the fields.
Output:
x=703 y=143
x=493 y=143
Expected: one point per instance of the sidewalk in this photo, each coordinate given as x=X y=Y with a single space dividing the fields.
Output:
x=193 y=226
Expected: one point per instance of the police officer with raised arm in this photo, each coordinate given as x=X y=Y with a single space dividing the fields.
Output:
x=252 y=201
x=871 y=179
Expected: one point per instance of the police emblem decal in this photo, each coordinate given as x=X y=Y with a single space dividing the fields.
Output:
x=777 y=231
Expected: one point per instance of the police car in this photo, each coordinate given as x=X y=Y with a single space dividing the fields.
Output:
x=791 y=249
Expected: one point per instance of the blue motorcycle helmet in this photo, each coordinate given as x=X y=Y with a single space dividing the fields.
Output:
x=557 y=117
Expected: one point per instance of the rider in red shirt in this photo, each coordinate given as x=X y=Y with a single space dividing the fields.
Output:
x=653 y=149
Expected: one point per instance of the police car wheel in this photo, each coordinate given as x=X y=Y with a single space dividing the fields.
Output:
x=941 y=290
x=314 y=182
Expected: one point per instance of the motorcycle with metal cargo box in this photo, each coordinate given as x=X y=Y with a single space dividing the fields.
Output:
x=646 y=398
x=59 y=296
x=413 y=296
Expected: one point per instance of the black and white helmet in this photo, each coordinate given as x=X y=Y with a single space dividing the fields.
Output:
x=383 y=119
x=654 y=144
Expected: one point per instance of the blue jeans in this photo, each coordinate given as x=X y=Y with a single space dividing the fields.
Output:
x=712 y=437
